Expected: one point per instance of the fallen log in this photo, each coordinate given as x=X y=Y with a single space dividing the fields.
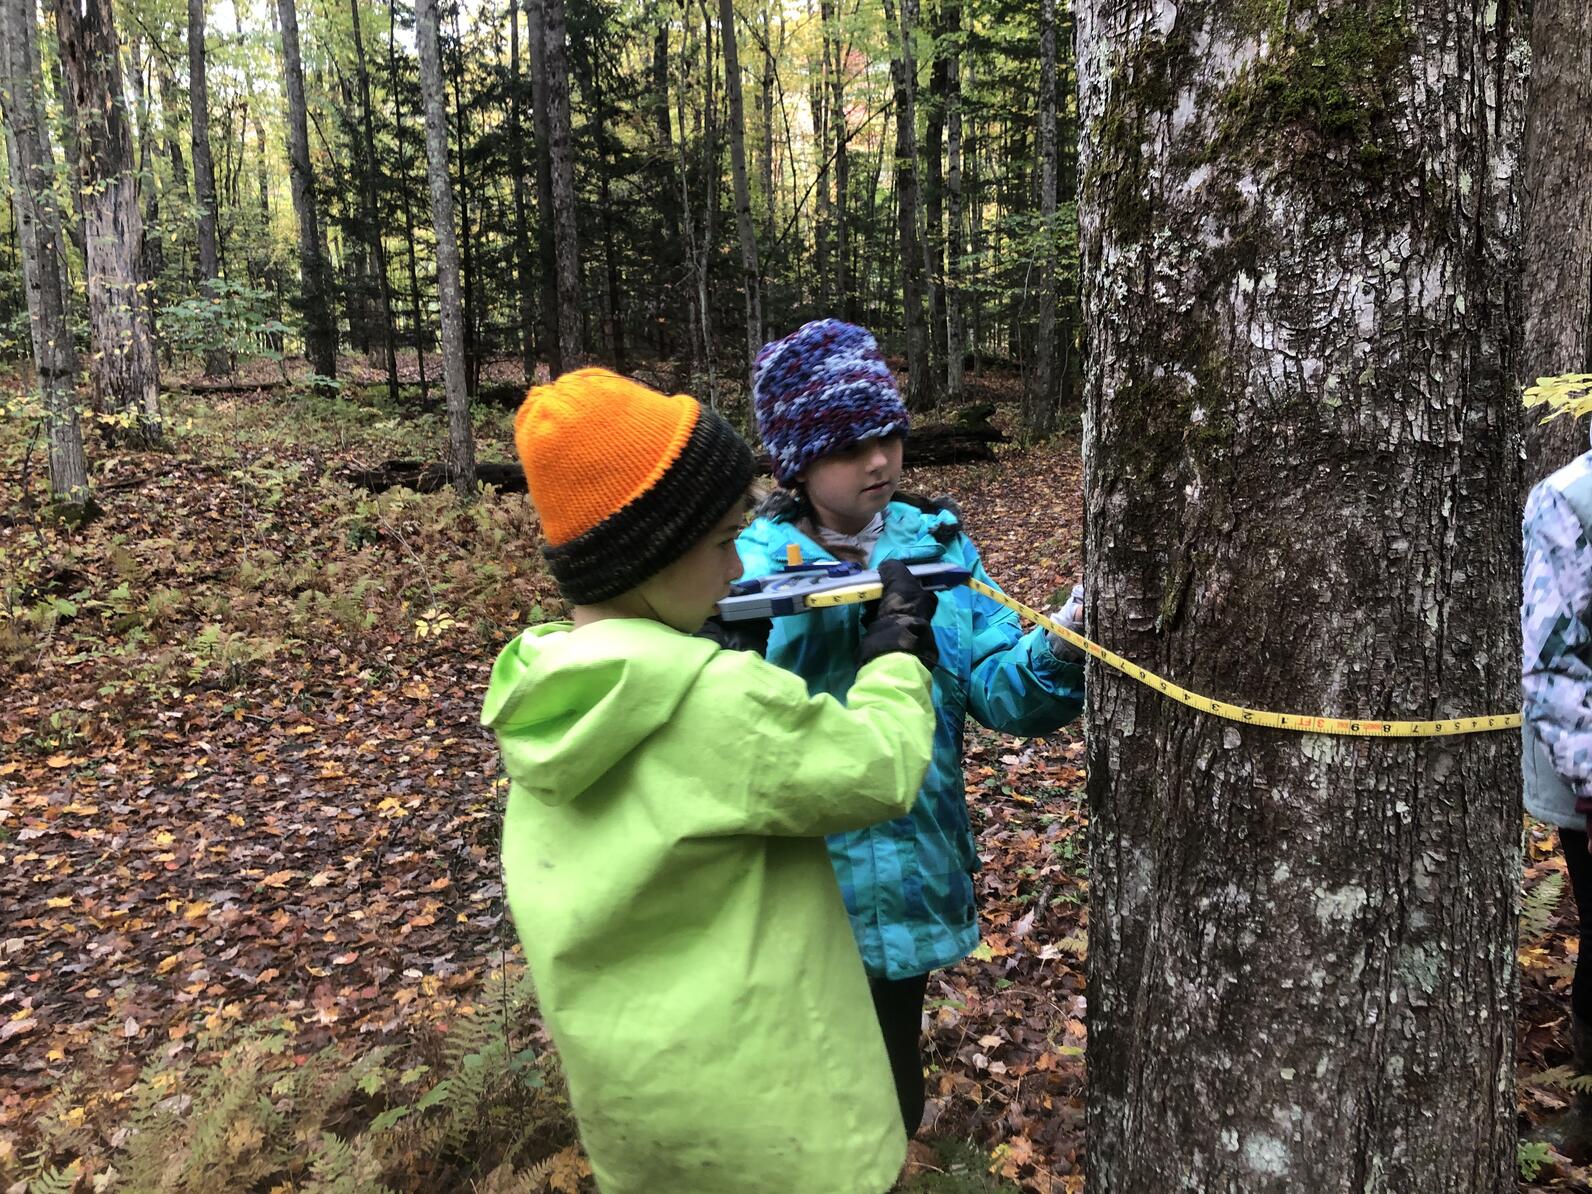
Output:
x=429 y=478
x=939 y=443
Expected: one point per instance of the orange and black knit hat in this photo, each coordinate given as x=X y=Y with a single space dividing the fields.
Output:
x=625 y=479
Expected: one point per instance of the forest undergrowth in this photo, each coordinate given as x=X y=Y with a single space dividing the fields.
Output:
x=251 y=919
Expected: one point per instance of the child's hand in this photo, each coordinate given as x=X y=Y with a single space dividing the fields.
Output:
x=1071 y=616
x=749 y=634
x=902 y=619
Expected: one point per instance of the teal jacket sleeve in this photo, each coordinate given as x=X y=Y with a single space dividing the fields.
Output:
x=1018 y=686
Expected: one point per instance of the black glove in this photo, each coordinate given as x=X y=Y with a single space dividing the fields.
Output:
x=750 y=634
x=901 y=620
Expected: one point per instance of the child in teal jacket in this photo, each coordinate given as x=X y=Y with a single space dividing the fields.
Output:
x=830 y=415
x=662 y=848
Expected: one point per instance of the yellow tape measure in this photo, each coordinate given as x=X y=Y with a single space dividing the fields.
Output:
x=1363 y=727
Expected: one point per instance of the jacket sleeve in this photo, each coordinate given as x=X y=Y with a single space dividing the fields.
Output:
x=808 y=766
x=1556 y=642
x=1018 y=686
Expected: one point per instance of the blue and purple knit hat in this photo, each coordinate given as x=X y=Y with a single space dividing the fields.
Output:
x=821 y=389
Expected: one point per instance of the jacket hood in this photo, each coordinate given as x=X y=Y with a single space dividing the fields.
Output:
x=567 y=706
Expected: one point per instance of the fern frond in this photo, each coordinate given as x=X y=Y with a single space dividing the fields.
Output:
x=1537 y=909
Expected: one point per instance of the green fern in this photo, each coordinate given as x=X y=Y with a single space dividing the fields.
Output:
x=1530 y=1157
x=1537 y=909
x=57 y=1181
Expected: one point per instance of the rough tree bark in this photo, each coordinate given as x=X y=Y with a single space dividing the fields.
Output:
x=553 y=64
x=38 y=229
x=1556 y=177
x=921 y=387
x=320 y=319
x=217 y=359
x=1039 y=396
x=743 y=191
x=461 y=444
x=1298 y=230
x=123 y=369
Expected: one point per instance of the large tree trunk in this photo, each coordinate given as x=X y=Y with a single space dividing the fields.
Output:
x=1556 y=174
x=743 y=192
x=370 y=216
x=461 y=445
x=554 y=64
x=956 y=329
x=1039 y=396
x=1303 y=461
x=39 y=240
x=123 y=369
x=522 y=250
x=921 y=387
x=217 y=359
x=320 y=319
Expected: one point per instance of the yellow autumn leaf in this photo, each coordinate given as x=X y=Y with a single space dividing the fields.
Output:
x=58 y=902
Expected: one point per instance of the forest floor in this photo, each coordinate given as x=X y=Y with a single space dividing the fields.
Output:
x=243 y=783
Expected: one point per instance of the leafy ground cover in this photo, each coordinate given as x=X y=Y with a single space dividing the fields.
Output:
x=250 y=909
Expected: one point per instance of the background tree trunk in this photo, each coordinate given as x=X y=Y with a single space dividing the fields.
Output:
x=536 y=27
x=566 y=243
x=666 y=187
x=522 y=252
x=934 y=188
x=956 y=324
x=841 y=220
x=1302 y=445
x=1556 y=289
x=370 y=217
x=123 y=369
x=217 y=358
x=320 y=318
x=38 y=228
x=743 y=192
x=921 y=388
x=461 y=444
x=1039 y=396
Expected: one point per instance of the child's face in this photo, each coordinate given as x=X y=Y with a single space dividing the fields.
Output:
x=847 y=488
x=684 y=593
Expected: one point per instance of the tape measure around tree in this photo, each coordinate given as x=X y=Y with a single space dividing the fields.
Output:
x=1361 y=727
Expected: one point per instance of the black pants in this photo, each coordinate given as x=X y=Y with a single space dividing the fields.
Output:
x=898 y=1002
x=1579 y=863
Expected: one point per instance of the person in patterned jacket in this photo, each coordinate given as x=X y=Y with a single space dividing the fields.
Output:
x=829 y=412
x=1556 y=688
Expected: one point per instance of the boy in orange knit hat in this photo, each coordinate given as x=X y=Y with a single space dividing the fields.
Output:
x=663 y=848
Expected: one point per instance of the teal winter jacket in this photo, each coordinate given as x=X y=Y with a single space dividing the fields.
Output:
x=908 y=883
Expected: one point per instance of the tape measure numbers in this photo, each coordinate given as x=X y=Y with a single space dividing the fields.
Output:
x=1362 y=727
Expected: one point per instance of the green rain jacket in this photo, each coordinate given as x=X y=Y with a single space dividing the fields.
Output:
x=664 y=862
